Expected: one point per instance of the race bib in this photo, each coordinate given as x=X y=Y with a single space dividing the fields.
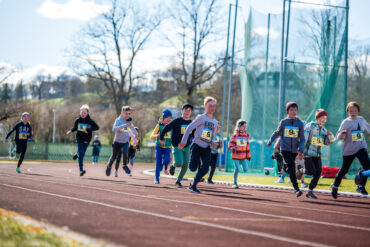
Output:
x=23 y=135
x=291 y=131
x=317 y=140
x=183 y=128
x=217 y=139
x=168 y=135
x=357 y=135
x=125 y=129
x=207 y=134
x=82 y=127
x=241 y=141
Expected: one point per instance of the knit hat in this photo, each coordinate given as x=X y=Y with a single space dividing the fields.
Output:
x=290 y=104
x=320 y=113
x=166 y=113
x=24 y=114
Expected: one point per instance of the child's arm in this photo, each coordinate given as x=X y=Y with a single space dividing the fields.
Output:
x=197 y=121
x=11 y=131
x=275 y=134
x=301 y=138
x=232 y=144
x=155 y=134
x=168 y=127
x=342 y=131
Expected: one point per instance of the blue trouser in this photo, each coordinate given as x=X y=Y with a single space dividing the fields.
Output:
x=237 y=163
x=95 y=158
x=198 y=153
x=162 y=156
x=81 y=150
x=366 y=173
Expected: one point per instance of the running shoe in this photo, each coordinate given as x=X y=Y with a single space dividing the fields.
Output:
x=311 y=195
x=304 y=185
x=334 y=191
x=82 y=173
x=279 y=181
x=127 y=170
x=156 y=182
x=18 y=170
x=74 y=157
x=193 y=189
x=235 y=186
x=362 y=190
x=178 y=185
x=165 y=172
x=116 y=173
x=359 y=176
x=108 y=170
x=298 y=193
x=172 y=170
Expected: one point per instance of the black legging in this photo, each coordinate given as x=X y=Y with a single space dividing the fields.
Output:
x=21 y=147
x=117 y=153
x=313 y=167
x=362 y=156
x=289 y=160
x=212 y=164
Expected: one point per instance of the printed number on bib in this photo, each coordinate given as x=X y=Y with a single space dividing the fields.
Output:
x=183 y=128
x=207 y=134
x=317 y=140
x=168 y=135
x=241 y=141
x=125 y=129
x=291 y=131
x=217 y=139
x=357 y=135
x=82 y=127
x=23 y=135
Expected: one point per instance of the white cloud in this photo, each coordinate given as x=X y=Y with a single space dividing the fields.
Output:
x=262 y=31
x=73 y=9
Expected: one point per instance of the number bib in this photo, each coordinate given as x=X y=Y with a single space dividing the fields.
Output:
x=241 y=141
x=82 y=127
x=125 y=129
x=183 y=128
x=357 y=135
x=317 y=140
x=23 y=135
x=217 y=139
x=207 y=134
x=168 y=135
x=291 y=131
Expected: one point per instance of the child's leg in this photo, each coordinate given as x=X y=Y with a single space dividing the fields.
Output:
x=213 y=165
x=236 y=170
x=244 y=165
x=205 y=155
x=284 y=175
x=81 y=149
x=125 y=154
x=194 y=157
x=317 y=172
x=289 y=159
x=118 y=157
x=158 y=164
x=347 y=161
x=22 y=149
x=363 y=157
x=185 y=155
x=166 y=157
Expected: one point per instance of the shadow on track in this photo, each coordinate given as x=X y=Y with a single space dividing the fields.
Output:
x=333 y=204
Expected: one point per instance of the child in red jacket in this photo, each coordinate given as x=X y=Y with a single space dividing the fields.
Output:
x=239 y=146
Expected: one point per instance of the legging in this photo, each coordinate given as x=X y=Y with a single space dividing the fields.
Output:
x=21 y=147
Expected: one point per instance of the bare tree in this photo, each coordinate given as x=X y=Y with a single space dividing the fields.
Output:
x=196 y=24
x=109 y=45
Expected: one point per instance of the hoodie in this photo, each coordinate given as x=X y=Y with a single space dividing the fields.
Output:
x=84 y=124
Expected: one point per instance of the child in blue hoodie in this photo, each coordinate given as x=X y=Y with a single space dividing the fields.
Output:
x=291 y=134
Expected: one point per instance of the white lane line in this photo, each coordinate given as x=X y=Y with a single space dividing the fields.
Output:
x=227 y=228
x=254 y=202
x=224 y=208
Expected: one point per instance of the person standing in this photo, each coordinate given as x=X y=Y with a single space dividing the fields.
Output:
x=96 y=150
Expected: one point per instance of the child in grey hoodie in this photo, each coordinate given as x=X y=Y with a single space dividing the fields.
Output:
x=351 y=131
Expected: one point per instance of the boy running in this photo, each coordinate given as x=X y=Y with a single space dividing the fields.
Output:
x=205 y=130
x=178 y=127
x=23 y=132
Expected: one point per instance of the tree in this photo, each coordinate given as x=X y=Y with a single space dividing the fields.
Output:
x=197 y=24
x=109 y=46
x=19 y=91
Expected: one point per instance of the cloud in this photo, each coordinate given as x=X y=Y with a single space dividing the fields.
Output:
x=73 y=9
x=262 y=31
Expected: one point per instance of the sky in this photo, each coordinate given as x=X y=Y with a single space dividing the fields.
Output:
x=35 y=34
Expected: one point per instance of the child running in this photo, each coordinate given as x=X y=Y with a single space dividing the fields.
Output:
x=132 y=149
x=291 y=133
x=214 y=153
x=205 y=130
x=124 y=130
x=181 y=156
x=316 y=136
x=23 y=132
x=351 y=131
x=361 y=175
x=84 y=126
x=96 y=150
x=239 y=147
x=163 y=151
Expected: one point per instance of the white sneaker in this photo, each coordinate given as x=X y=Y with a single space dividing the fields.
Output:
x=116 y=173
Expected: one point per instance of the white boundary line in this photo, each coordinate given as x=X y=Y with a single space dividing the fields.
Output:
x=150 y=172
x=226 y=228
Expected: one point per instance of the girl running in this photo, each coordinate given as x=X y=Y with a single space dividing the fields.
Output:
x=84 y=126
x=239 y=147
x=23 y=132
x=351 y=131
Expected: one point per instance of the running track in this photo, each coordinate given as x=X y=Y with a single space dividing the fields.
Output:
x=133 y=211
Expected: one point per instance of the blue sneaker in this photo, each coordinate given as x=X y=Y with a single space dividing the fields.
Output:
x=18 y=170
x=362 y=190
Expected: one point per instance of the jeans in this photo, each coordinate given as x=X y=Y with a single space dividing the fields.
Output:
x=81 y=150
x=198 y=153
x=289 y=160
x=162 y=157
x=95 y=159
x=237 y=163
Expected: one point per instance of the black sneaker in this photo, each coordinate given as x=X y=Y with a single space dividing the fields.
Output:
x=193 y=189
x=75 y=157
x=202 y=180
x=210 y=181
x=178 y=185
x=82 y=173
x=359 y=176
x=172 y=170
x=311 y=195
x=127 y=170
x=108 y=170
x=362 y=190
x=298 y=193
x=334 y=191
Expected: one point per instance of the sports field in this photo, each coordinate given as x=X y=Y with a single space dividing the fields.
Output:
x=132 y=211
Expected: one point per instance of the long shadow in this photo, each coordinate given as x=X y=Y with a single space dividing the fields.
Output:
x=277 y=191
x=353 y=202
x=333 y=204
x=245 y=198
x=40 y=175
x=107 y=180
x=226 y=192
x=152 y=186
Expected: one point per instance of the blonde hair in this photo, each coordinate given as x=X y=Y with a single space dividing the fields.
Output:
x=208 y=99
x=85 y=107
x=238 y=124
x=353 y=104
